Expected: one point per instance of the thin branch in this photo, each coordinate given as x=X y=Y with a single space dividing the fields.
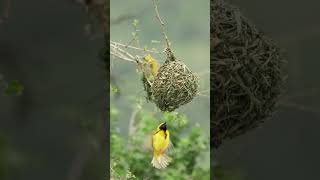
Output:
x=162 y=25
x=130 y=41
x=122 y=18
x=123 y=58
x=300 y=107
x=122 y=51
x=135 y=48
x=204 y=91
x=132 y=124
x=203 y=95
x=122 y=54
x=203 y=73
x=132 y=128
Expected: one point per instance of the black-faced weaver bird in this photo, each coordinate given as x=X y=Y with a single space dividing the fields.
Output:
x=161 y=145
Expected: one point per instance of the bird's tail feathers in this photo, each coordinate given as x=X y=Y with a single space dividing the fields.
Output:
x=160 y=161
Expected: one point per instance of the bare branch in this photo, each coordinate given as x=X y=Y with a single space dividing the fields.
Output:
x=122 y=54
x=162 y=25
x=132 y=127
x=135 y=48
x=122 y=18
x=121 y=57
x=122 y=51
x=203 y=93
x=300 y=107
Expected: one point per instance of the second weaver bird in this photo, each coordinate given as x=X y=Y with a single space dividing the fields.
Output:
x=153 y=64
x=161 y=144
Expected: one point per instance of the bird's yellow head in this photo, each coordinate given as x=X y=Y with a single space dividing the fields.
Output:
x=153 y=64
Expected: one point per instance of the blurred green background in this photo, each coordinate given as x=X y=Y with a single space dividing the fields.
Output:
x=187 y=27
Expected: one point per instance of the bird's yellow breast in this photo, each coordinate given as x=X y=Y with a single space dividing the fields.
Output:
x=160 y=141
x=153 y=64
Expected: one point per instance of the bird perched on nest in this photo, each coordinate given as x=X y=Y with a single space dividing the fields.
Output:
x=150 y=68
x=153 y=64
x=161 y=145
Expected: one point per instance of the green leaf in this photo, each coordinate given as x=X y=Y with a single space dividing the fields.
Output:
x=135 y=22
x=114 y=89
x=14 y=88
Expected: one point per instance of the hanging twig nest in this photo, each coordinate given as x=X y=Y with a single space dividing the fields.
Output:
x=246 y=73
x=174 y=85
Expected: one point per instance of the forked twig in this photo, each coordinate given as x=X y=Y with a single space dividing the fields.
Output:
x=122 y=54
x=162 y=25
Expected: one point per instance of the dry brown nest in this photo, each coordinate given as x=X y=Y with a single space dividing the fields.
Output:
x=246 y=73
x=173 y=86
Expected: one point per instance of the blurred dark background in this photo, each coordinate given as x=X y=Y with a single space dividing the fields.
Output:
x=53 y=130
x=287 y=145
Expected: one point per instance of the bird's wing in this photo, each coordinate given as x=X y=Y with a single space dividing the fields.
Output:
x=170 y=148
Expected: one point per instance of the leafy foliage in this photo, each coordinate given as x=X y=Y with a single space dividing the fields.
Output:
x=12 y=88
x=11 y=161
x=131 y=159
x=221 y=173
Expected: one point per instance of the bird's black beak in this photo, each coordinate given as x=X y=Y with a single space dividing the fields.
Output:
x=163 y=126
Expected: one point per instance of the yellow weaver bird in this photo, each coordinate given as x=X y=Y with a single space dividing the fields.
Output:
x=153 y=64
x=149 y=67
x=161 y=144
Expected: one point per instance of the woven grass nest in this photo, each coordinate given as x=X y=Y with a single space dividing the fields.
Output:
x=247 y=74
x=173 y=86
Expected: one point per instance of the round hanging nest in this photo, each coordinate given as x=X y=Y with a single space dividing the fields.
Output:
x=247 y=73
x=173 y=86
